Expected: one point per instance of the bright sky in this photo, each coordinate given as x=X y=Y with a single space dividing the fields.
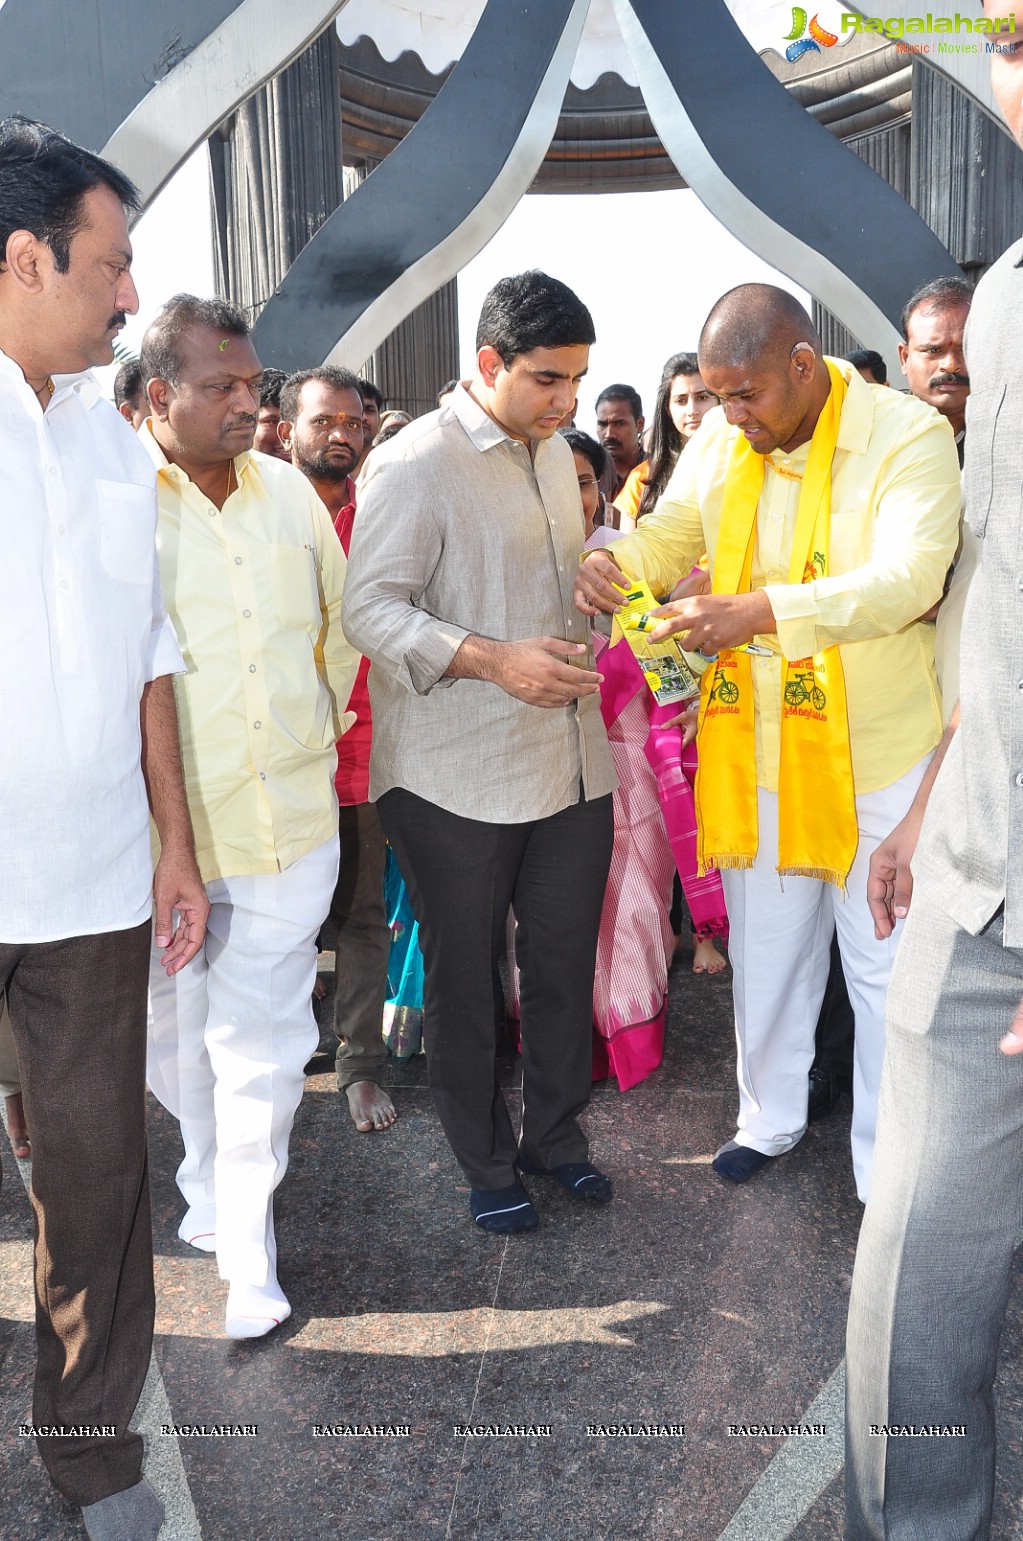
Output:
x=649 y=266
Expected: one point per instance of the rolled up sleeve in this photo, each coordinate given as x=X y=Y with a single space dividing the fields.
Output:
x=915 y=534
x=396 y=545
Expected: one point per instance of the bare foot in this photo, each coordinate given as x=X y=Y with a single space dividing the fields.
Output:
x=706 y=958
x=371 y=1108
x=17 y=1127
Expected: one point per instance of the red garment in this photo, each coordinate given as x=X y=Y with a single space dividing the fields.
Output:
x=352 y=779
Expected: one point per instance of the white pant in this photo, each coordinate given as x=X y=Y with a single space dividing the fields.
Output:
x=779 y=940
x=229 y=1038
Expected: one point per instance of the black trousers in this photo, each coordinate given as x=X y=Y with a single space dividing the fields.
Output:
x=78 y=1012
x=463 y=875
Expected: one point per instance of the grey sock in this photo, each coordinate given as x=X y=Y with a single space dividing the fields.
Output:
x=135 y=1514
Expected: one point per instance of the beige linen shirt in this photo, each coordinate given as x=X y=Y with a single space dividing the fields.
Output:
x=460 y=532
x=894 y=530
x=254 y=591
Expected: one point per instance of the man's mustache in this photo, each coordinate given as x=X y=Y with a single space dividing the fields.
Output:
x=949 y=377
x=119 y=318
x=243 y=420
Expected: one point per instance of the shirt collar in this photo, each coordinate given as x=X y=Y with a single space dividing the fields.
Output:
x=246 y=465
x=857 y=419
x=83 y=383
x=480 y=427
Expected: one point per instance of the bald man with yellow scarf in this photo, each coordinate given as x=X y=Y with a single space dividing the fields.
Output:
x=829 y=511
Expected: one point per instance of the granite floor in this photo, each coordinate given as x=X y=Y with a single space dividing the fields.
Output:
x=685 y=1303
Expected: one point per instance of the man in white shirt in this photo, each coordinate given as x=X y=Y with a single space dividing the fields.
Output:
x=89 y=709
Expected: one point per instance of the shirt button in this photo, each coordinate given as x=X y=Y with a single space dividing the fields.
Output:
x=64 y=583
x=257 y=724
x=51 y=470
x=262 y=775
x=237 y=561
x=212 y=513
x=1018 y=778
x=246 y=613
x=252 y=668
x=60 y=529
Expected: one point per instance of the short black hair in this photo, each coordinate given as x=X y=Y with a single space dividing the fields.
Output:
x=869 y=358
x=581 y=444
x=532 y=310
x=331 y=375
x=939 y=294
x=622 y=393
x=161 y=346
x=366 y=388
x=43 y=180
x=128 y=384
x=270 y=386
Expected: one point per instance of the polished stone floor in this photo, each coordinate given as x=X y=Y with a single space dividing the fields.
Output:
x=685 y=1303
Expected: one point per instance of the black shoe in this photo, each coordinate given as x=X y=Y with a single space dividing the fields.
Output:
x=824 y=1094
x=738 y=1163
x=503 y=1210
x=578 y=1178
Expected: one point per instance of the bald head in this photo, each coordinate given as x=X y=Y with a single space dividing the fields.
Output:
x=762 y=358
x=755 y=324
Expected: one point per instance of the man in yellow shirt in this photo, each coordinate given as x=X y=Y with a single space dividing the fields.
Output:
x=829 y=512
x=253 y=575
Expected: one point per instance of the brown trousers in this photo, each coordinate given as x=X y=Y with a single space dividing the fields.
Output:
x=78 y=1009
x=362 y=945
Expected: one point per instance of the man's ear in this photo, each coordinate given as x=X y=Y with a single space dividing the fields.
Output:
x=804 y=362
x=640 y=423
x=161 y=394
x=27 y=259
x=903 y=355
x=284 y=432
x=489 y=363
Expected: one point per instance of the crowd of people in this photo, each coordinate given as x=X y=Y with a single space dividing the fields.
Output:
x=264 y=637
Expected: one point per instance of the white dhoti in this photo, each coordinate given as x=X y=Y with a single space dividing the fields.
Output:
x=229 y=1038
x=779 y=941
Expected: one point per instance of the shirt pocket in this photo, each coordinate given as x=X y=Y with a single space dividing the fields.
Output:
x=982 y=412
x=296 y=594
x=127 y=531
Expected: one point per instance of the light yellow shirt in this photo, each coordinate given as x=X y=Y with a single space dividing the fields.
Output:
x=254 y=590
x=894 y=530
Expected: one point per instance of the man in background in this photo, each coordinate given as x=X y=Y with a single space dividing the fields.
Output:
x=620 y=433
x=129 y=394
x=372 y=406
x=267 y=440
x=322 y=428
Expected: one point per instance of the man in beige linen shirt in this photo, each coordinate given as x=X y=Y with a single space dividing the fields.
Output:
x=490 y=765
x=253 y=575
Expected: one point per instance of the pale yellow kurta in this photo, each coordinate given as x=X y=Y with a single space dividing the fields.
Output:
x=254 y=590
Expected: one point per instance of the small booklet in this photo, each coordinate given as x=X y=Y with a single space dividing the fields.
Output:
x=665 y=666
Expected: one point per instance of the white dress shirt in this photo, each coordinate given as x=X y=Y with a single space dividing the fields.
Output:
x=82 y=628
